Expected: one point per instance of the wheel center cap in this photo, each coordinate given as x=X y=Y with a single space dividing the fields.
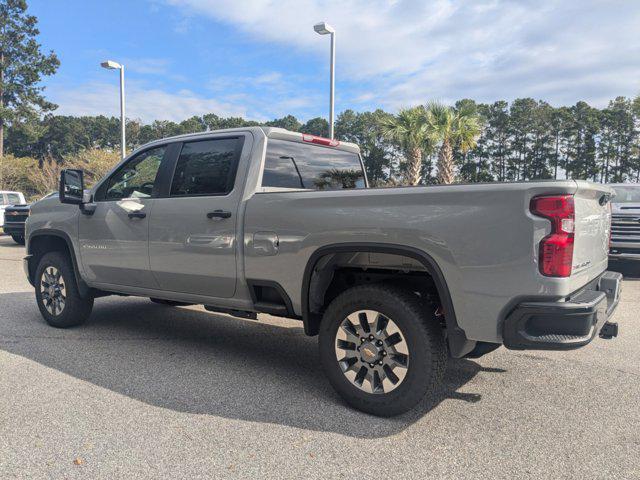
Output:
x=369 y=352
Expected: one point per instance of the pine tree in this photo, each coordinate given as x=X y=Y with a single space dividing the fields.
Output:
x=496 y=137
x=521 y=126
x=22 y=65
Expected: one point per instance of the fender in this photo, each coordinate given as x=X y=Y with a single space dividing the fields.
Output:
x=83 y=288
x=459 y=345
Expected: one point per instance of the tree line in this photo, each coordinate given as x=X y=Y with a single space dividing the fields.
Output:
x=522 y=140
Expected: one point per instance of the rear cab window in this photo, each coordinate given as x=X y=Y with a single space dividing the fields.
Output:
x=299 y=166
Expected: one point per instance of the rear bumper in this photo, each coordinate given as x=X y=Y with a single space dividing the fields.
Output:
x=564 y=325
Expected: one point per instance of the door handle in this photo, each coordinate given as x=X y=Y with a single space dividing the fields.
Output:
x=219 y=214
x=137 y=215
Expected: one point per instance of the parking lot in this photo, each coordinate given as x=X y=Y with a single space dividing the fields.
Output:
x=143 y=390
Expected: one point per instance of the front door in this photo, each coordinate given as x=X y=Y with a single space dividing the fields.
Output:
x=114 y=240
x=192 y=232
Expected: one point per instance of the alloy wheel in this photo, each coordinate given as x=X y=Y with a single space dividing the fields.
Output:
x=372 y=351
x=52 y=290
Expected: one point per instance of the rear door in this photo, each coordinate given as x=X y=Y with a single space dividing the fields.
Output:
x=193 y=230
x=114 y=239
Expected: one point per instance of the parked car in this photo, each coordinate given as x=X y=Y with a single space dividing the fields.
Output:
x=9 y=198
x=394 y=281
x=16 y=218
x=625 y=222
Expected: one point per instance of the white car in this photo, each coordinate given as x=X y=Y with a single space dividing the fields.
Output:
x=9 y=198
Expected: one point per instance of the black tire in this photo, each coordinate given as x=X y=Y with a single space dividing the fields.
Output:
x=423 y=335
x=76 y=309
x=19 y=239
x=169 y=303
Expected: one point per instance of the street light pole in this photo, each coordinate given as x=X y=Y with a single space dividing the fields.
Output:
x=332 y=89
x=111 y=65
x=324 y=28
x=123 y=118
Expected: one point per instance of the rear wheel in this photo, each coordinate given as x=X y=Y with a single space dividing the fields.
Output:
x=19 y=239
x=382 y=348
x=57 y=293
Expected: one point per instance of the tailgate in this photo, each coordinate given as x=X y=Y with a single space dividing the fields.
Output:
x=592 y=229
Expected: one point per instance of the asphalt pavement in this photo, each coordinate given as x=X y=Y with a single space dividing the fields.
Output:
x=148 y=391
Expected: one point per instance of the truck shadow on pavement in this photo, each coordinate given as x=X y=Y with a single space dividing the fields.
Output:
x=193 y=361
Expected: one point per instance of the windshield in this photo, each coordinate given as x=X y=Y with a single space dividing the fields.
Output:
x=627 y=194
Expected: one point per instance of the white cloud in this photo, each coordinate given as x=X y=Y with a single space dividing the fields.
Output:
x=153 y=66
x=146 y=104
x=402 y=52
x=270 y=97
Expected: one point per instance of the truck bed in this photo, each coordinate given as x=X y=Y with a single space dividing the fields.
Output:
x=482 y=236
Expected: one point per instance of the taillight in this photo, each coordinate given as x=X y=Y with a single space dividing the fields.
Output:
x=556 y=249
x=327 y=142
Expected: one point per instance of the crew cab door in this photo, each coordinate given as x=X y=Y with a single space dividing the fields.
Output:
x=114 y=239
x=193 y=230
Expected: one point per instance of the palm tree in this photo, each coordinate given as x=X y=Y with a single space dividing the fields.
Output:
x=409 y=130
x=338 y=179
x=451 y=128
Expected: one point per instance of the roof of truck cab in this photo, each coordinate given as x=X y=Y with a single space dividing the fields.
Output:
x=269 y=132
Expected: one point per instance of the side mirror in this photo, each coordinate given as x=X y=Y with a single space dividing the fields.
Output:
x=71 y=187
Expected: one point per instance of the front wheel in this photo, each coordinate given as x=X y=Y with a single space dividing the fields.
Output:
x=382 y=348
x=57 y=293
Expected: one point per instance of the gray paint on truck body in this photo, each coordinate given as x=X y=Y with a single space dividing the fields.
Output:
x=482 y=237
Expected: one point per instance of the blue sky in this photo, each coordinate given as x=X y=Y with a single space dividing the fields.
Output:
x=261 y=59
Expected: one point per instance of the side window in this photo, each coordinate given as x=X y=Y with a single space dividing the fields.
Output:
x=13 y=199
x=310 y=167
x=206 y=167
x=137 y=177
x=2 y=202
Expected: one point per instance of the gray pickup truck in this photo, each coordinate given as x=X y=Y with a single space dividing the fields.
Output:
x=394 y=281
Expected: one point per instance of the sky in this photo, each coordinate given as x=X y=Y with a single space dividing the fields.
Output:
x=261 y=59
